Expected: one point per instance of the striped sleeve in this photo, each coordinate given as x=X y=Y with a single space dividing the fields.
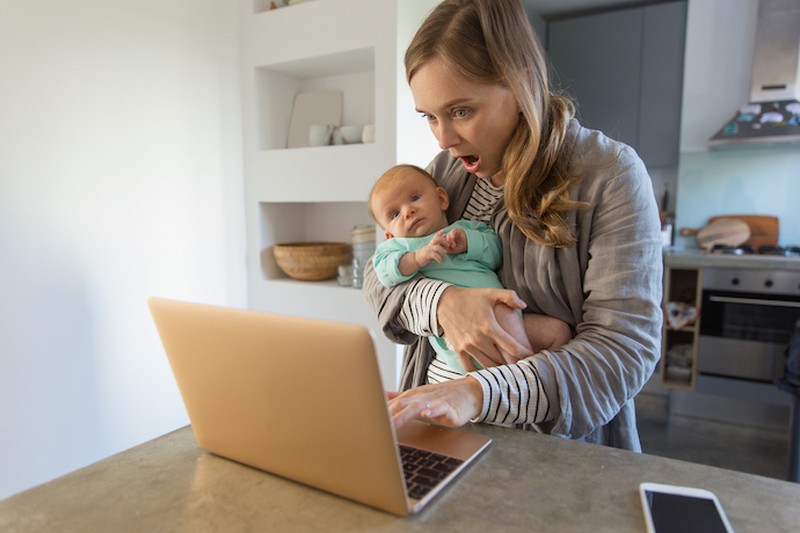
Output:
x=439 y=371
x=512 y=395
x=418 y=314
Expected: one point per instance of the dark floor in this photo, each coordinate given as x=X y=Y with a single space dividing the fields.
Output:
x=746 y=449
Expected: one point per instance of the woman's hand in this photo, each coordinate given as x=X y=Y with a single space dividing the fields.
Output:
x=451 y=403
x=469 y=323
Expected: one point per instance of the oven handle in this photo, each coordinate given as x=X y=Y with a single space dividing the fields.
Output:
x=753 y=301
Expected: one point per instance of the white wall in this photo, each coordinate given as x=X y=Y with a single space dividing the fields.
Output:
x=120 y=178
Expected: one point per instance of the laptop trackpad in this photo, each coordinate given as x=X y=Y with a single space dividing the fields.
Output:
x=459 y=443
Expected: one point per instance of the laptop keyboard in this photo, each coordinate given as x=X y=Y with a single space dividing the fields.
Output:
x=424 y=470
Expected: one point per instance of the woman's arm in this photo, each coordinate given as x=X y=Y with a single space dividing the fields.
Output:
x=614 y=299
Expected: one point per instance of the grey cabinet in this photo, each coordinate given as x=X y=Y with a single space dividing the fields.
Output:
x=624 y=68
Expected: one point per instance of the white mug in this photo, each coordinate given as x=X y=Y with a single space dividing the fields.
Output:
x=351 y=134
x=338 y=136
x=320 y=134
x=368 y=134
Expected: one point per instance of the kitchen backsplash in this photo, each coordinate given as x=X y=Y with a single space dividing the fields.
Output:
x=742 y=181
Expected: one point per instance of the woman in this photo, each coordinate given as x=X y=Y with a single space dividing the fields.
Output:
x=577 y=216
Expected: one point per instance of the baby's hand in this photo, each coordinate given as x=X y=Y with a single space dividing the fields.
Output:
x=455 y=241
x=433 y=251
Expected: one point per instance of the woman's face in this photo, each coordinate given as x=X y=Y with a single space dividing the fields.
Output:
x=473 y=121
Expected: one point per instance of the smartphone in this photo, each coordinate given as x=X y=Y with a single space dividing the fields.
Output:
x=675 y=509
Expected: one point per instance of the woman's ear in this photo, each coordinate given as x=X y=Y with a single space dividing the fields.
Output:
x=388 y=235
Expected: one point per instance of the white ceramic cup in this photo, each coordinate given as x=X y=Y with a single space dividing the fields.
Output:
x=368 y=134
x=320 y=134
x=351 y=134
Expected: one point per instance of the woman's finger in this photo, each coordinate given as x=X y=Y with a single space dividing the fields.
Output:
x=451 y=403
x=404 y=411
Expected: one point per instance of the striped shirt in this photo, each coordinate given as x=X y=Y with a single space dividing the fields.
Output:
x=511 y=393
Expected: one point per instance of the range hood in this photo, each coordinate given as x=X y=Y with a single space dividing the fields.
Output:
x=773 y=113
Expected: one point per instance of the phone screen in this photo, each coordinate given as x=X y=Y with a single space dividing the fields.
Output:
x=677 y=513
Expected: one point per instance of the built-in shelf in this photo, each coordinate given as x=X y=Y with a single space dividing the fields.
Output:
x=261 y=6
x=302 y=222
x=319 y=193
x=351 y=72
x=680 y=346
x=324 y=174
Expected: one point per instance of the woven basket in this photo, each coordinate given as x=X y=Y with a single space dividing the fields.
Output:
x=312 y=261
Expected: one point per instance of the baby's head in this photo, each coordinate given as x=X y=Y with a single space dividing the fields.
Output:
x=406 y=202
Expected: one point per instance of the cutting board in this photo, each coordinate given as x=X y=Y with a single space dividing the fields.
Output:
x=764 y=229
x=724 y=231
x=316 y=107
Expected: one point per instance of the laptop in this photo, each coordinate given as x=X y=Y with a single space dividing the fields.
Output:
x=303 y=399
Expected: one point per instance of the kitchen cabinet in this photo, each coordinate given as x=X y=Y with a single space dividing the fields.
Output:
x=354 y=47
x=682 y=294
x=625 y=70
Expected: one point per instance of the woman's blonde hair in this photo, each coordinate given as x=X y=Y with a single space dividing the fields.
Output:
x=492 y=42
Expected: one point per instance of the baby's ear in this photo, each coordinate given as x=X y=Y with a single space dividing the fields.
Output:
x=388 y=235
x=444 y=200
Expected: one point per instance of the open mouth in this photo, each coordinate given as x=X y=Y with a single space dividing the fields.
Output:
x=472 y=163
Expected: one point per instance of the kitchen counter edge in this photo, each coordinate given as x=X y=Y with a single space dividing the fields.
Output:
x=697 y=258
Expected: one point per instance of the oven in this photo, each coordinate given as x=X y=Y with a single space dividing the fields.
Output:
x=747 y=317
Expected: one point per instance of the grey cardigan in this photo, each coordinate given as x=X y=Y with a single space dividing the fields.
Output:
x=607 y=287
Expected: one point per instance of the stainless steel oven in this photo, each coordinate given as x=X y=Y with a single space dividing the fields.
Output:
x=747 y=319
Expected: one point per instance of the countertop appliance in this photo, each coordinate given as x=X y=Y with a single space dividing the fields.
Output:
x=773 y=113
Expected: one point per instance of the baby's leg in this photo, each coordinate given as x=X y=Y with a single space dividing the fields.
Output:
x=546 y=332
x=511 y=321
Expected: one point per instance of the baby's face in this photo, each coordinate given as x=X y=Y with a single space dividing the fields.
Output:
x=413 y=208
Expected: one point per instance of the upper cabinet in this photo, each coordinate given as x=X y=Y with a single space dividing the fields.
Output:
x=624 y=69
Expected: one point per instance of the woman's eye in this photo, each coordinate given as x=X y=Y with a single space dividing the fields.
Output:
x=429 y=118
x=460 y=113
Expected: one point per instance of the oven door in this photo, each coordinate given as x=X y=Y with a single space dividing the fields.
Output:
x=744 y=334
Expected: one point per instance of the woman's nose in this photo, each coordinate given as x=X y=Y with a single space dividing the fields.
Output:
x=446 y=135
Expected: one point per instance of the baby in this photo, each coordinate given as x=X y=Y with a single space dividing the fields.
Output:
x=412 y=210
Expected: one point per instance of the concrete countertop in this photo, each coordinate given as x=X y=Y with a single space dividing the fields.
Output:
x=524 y=482
x=697 y=258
